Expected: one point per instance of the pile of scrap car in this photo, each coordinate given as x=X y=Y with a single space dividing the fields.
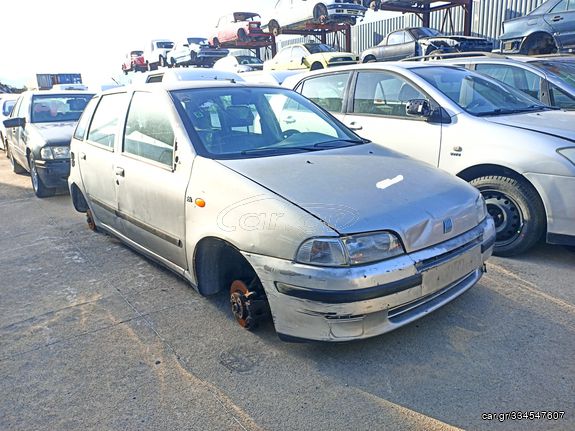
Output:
x=345 y=203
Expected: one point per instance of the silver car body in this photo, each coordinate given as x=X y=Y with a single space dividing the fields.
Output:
x=525 y=74
x=265 y=207
x=526 y=143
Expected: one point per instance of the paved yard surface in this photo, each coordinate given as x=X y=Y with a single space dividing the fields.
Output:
x=94 y=336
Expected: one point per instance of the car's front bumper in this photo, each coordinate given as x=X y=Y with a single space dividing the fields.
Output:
x=341 y=304
x=53 y=173
x=558 y=194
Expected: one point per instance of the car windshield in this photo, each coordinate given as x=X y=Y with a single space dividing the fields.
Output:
x=238 y=123
x=425 y=32
x=197 y=40
x=477 y=94
x=165 y=45
x=563 y=70
x=248 y=59
x=314 y=48
x=58 y=107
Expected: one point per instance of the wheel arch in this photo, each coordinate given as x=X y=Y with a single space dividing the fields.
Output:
x=534 y=35
x=488 y=169
x=78 y=199
x=216 y=263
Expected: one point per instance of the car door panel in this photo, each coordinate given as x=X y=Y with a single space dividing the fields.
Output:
x=378 y=114
x=151 y=183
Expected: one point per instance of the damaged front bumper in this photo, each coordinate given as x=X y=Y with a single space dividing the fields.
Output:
x=342 y=304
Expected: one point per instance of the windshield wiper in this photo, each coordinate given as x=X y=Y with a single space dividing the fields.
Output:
x=503 y=111
x=275 y=149
x=335 y=143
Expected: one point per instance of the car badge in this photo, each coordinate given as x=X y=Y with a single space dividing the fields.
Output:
x=447 y=225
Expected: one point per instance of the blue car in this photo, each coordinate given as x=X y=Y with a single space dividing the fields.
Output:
x=548 y=29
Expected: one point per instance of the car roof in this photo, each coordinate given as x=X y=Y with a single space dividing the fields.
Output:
x=184 y=85
x=58 y=92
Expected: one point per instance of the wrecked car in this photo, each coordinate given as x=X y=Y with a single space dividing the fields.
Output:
x=422 y=41
x=258 y=192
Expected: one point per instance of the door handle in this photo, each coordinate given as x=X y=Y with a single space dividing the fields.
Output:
x=557 y=18
x=119 y=171
x=83 y=156
x=355 y=126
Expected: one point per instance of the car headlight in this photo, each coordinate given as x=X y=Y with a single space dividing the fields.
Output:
x=568 y=153
x=481 y=208
x=55 y=153
x=350 y=250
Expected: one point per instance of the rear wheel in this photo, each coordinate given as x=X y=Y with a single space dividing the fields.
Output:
x=39 y=188
x=369 y=59
x=274 y=27
x=320 y=13
x=539 y=44
x=242 y=35
x=216 y=42
x=316 y=66
x=517 y=210
x=90 y=220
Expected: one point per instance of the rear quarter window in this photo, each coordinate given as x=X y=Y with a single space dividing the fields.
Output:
x=84 y=121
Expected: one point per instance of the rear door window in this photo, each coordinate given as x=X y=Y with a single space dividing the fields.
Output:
x=82 y=126
x=326 y=91
x=104 y=126
x=523 y=80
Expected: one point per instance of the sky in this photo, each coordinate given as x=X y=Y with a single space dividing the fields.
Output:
x=91 y=37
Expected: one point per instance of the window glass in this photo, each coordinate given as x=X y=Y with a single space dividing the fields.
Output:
x=7 y=107
x=284 y=54
x=560 y=7
x=54 y=108
x=104 y=126
x=298 y=52
x=396 y=38
x=82 y=126
x=149 y=133
x=522 y=79
x=560 y=98
x=326 y=91
x=381 y=93
x=235 y=122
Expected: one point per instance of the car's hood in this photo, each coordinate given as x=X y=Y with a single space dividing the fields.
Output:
x=368 y=188
x=54 y=133
x=556 y=123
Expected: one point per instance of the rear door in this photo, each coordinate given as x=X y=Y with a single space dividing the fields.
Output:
x=399 y=45
x=562 y=19
x=97 y=157
x=378 y=113
x=152 y=176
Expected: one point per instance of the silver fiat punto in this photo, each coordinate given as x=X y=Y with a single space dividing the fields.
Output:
x=259 y=192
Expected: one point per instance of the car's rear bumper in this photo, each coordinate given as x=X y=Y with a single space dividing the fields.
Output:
x=53 y=173
x=557 y=193
x=341 y=304
x=342 y=10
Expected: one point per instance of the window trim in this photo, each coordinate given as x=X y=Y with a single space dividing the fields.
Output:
x=111 y=149
x=346 y=90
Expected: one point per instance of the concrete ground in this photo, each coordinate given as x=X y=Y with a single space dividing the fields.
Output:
x=94 y=336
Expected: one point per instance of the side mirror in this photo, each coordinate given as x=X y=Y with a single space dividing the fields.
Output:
x=302 y=60
x=14 y=122
x=418 y=108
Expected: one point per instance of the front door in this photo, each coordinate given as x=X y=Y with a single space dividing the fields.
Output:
x=152 y=177
x=378 y=113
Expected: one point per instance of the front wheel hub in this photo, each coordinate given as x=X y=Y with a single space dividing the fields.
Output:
x=506 y=214
x=249 y=307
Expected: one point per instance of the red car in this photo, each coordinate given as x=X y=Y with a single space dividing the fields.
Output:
x=134 y=62
x=238 y=27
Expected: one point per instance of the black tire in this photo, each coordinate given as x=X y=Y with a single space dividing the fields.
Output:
x=17 y=168
x=320 y=14
x=435 y=55
x=369 y=59
x=274 y=28
x=539 y=44
x=40 y=189
x=242 y=35
x=216 y=42
x=316 y=66
x=517 y=210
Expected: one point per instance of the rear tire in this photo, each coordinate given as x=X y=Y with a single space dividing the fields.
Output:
x=274 y=28
x=216 y=42
x=369 y=59
x=316 y=66
x=517 y=210
x=539 y=44
x=39 y=188
x=242 y=35
x=320 y=14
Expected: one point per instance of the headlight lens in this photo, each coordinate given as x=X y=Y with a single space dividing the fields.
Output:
x=568 y=153
x=51 y=153
x=350 y=250
x=481 y=208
